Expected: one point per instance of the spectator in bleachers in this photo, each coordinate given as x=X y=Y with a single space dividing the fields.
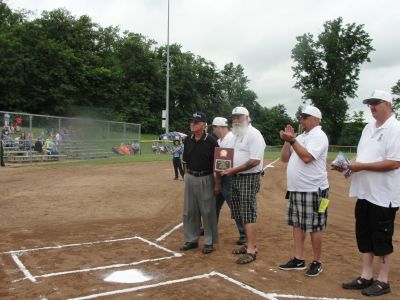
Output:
x=38 y=147
x=23 y=142
x=122 y=150
x=42 y=138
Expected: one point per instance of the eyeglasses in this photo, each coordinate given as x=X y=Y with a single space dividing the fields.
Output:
x=375 y=103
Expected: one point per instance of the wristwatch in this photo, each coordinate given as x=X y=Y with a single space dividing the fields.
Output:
x=292 y=141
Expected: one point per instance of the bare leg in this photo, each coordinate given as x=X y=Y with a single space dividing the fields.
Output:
x=367 y=271
x=250 y=229
x=384 y=264
x=316 y=242
x=299 y=238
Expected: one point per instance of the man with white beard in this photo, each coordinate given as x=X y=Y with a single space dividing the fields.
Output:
x=249 y=146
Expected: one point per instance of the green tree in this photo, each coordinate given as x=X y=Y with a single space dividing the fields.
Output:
x=396 y=101
x=327 y=70
x=352 y=129
x=271 y=121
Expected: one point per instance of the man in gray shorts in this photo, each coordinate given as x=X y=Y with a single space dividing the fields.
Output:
x=307 y=184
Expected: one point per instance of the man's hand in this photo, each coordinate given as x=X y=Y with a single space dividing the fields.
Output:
x=228 y=172
x=288 y=134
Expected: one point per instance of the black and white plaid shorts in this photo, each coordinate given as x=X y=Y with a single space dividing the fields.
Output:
x=303 y=209
x=244 y=190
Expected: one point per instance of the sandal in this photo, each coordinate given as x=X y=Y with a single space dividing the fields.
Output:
x=246 y=258
x=241 y=250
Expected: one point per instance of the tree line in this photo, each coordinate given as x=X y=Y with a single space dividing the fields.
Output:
x=60 y=64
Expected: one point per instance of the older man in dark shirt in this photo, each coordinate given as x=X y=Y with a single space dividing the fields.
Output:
x=200 y=186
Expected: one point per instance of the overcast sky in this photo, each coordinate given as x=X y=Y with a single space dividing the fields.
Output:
x=258 y=34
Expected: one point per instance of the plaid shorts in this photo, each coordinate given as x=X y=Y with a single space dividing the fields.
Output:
x=244 y=190
x=303 y=212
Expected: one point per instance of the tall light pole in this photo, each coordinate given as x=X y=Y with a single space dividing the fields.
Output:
x=167 y=85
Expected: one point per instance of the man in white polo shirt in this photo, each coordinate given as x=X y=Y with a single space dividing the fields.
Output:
x=376 y=184
x=249 y=146
x=225 y=140
x=307 y=184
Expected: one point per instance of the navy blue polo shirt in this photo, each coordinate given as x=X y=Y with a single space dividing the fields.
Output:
x=199 y=155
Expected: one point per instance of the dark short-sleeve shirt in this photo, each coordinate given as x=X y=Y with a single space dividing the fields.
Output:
x=199 y=155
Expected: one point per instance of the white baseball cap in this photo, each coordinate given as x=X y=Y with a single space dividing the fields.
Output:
x=219 y=121
x=379 y=95
x=312 y=111
x=240 y=110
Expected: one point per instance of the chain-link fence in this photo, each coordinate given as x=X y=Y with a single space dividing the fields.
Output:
x=96 y=133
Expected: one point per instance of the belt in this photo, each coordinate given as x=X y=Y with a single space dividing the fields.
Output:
x=199 y=173
x=246 y=174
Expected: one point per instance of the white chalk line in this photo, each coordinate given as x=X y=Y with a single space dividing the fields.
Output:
x=69 y=245
x=269 y=296
x=270 y=165
x=159 y=247
x=102 y=267
x=169 y=232
x=142 y=287
x=32 y=278
x=22 y=267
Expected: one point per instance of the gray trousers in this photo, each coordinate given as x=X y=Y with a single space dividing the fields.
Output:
x=199 y=204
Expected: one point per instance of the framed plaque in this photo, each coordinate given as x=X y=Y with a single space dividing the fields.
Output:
x=223 y=159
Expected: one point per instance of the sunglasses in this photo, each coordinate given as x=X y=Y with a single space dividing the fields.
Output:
x=304 y=116
x=375 y=103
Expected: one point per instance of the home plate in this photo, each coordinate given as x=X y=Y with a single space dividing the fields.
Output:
x=127 y=276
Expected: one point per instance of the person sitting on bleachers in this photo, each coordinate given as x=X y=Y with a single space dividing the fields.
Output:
x=23 y=142
x=122 y=150
x=50 y=146
x=38 y=147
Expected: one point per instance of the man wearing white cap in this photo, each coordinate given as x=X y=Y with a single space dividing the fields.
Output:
x=225 y=140
x=249 y=146
x=376 y=184
x=307 y=184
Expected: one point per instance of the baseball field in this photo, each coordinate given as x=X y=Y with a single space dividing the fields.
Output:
x=113 y=231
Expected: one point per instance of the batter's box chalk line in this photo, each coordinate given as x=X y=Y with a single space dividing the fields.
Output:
x=15 y=254
x=270 y=296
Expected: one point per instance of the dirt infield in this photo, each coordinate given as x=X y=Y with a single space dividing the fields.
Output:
x=97 y=219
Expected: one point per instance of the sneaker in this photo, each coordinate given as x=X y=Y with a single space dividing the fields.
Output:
x=377 y=288
x=294 y=264
x=208 y=249
x=357 y=284
x=188 y=246
x=314 y=269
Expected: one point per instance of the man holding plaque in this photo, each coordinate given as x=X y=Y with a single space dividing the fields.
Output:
x=307 y=187
x=200 y=186
x=225 y=142
x=249 y=146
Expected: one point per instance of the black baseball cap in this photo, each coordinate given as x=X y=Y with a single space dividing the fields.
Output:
x=199 y=117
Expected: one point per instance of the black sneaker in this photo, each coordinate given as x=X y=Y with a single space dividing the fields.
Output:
x=294 y=264
x=188 y=246
x=314 y=269
x=377 y=288
x=357 y=284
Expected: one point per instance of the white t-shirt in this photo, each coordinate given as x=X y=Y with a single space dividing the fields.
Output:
x=227 y=141
x=378 y=144
x=250 y=146
x=311 y=177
